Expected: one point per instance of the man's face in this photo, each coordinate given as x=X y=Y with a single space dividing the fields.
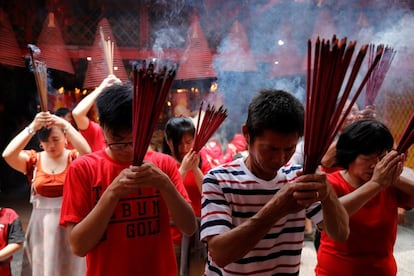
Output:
x=119 y=146
x=269 y=152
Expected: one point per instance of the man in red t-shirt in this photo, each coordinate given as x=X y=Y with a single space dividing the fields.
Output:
x=118 y=214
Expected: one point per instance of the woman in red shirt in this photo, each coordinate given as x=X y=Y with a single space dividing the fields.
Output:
x=371 y=189
x=178 y=142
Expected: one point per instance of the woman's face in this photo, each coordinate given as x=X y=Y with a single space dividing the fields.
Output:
x=55 y=143
x=184 y=147
x=362 y=168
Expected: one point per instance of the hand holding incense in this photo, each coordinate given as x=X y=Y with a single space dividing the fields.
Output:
x=40 y=73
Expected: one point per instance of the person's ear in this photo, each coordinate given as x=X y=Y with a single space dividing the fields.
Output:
x=246 y=134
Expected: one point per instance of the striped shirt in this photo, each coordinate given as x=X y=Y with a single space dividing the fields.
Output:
x=231 y=195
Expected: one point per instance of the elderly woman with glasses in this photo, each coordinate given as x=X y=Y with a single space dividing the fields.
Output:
x=371 y=188
x=46 y=246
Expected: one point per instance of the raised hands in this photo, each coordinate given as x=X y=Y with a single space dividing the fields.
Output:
x=388 y=169
x=190 y=162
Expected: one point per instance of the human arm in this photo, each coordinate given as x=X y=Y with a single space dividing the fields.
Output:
x=76 y=139
x=87 y=233
x=406 y=185
x=335 y=217
x=385 y=173
x=15 y=239
x=14 y=153
x=180 y=210
x=328 y=159
x=236 y=241
x=80 y=112
x=191 y=162
x=9 y=250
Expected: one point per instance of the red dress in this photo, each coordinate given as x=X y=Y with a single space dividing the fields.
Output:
x=373 y=229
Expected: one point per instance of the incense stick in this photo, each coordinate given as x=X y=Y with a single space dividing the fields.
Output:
x=378 y=75
x=330 y=65
x=152 y=84
x=40 y=73
x=108 y=47
x=407 y=137
x=208 y=125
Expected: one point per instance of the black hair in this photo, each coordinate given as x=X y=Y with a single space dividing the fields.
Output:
x=62 y=111
x=115 y=108
x=44 y=133
x=274 y=110
x=175 y=129
x=362 y=137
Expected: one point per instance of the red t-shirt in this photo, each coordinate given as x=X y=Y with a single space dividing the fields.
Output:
x=373 y=230
x=194 y=194
x=137 y=240
x=10 y=232
x=94 y=136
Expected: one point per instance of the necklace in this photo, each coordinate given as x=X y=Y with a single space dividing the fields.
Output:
x=54 y=169
x=55 y=165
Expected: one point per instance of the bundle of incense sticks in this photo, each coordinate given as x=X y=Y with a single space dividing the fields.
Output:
x=108 y=47
x=40 y=73
x=324 y=99
x=378 y=75
x=152 y=83
x=208 y=125
x=407 y=138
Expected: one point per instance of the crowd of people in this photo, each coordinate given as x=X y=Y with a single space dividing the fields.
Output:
x=240 y=211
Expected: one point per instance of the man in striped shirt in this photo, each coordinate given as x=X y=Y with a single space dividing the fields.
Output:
x=254 y=208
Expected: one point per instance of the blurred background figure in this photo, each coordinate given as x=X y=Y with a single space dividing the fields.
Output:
x=178 y=142
x=11 y=238
x=66 y=114
x=90 y=129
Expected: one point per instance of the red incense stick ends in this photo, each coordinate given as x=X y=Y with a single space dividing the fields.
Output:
x=40 y=73
x=377 y=77
x=323 y=92
x=208 y=125
x=152 y=83
x=407 y=138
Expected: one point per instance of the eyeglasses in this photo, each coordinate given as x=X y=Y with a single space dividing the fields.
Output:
x=119 y=145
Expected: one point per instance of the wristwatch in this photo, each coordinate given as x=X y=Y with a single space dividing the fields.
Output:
x=30 y=131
